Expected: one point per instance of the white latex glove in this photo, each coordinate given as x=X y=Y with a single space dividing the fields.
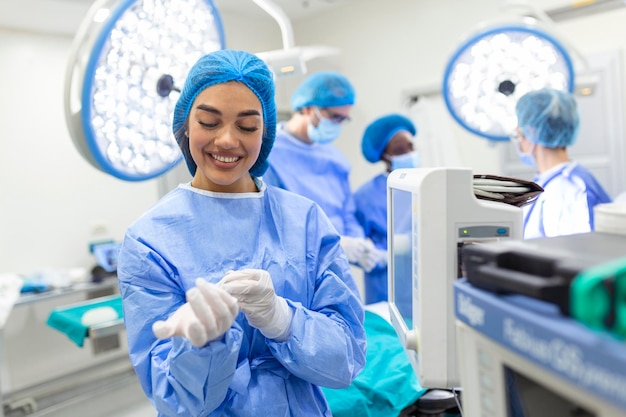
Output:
x=265 y=310
x=208 y=313
x=381 y=256
x=369 y=257
x=353 y=247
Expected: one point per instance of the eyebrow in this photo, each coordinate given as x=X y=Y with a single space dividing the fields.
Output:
x=213 y=110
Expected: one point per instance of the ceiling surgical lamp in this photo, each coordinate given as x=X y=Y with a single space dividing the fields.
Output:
x=492 y=69
x=126 y=59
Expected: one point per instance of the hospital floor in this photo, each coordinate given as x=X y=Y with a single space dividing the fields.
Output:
x=139 y=410
x=135 y=403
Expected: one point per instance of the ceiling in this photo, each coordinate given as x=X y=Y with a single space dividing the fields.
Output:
x=64 y=16
x=295 y=9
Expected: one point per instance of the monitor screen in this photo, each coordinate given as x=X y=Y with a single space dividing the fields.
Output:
x=404 y=267
x=526 y=397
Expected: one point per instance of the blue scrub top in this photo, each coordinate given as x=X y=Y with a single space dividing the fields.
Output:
x=319 y=172
x=566 y=205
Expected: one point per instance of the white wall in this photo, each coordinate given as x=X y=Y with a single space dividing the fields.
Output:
x=53 y=202
x=399 y=45
x=389 y=50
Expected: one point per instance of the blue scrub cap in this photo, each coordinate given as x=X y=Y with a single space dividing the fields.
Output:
x=220 y=67
x=378 y=134
x=323 y=89
x=548 y=117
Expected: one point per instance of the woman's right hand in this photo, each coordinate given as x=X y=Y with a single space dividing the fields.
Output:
x=208 y=314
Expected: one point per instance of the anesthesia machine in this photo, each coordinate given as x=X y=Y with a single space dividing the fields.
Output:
x=541 y=325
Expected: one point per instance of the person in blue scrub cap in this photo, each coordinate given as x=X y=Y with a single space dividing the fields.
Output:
x=548 y=123
x=238 y=298
x=305 y=161
x=388 y=139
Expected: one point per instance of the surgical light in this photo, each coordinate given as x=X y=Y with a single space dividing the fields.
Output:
x=126 y=59
x=490 y=71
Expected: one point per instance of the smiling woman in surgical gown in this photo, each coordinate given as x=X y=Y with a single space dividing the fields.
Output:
x=276 y=313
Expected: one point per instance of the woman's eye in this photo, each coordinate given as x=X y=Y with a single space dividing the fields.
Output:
x=250 y=129
x=207 y=124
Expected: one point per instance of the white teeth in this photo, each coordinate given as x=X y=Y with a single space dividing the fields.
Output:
x=225 y=158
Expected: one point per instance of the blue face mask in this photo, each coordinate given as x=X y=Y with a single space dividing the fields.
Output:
x=407 y=160
x=326 y=131
x=527 y=158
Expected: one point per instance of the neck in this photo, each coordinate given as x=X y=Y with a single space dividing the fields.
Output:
x=297 y=126
x=548 y=158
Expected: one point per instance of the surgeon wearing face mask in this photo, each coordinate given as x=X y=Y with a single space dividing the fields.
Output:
x=388 y=139
x=548 y=123
x=305 y=161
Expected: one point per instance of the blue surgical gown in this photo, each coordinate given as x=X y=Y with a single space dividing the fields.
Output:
x=317 y=171
x=193 y=233
x=566 y=205
x=371 y=212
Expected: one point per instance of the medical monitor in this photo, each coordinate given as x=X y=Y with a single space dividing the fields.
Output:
x=432 y=213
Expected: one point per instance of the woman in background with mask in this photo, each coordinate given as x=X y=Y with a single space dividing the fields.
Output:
x=304 y=160
x=388 y=139
x=548 y=123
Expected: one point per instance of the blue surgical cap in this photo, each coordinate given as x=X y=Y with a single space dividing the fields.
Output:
x=378 y=134
x=323 y=89
x=220 y=67
x=548 y=117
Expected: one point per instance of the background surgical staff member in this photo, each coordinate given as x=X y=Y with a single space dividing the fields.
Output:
x=304 y=160
x=389 y=139
x=548 y=123
x=238 y=299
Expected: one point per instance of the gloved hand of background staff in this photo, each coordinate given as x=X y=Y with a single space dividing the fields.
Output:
x=371 y=256
x=381 y=257
x=254 y=290
x=361 y=252
x=208 y=313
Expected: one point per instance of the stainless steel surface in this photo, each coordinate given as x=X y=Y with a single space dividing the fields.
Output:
x=44 y=373
x=108 y=286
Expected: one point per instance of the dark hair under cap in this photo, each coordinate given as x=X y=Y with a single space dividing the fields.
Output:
x=220 y=67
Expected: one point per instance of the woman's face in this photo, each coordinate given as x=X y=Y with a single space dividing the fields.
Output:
x=399 y=144
x=225 y=129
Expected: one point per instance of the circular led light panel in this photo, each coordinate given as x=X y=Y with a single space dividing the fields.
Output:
x=491 y=71
x=127 y=57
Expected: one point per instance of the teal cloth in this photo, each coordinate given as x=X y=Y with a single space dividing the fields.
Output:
x=386 y=385
x=68 y=320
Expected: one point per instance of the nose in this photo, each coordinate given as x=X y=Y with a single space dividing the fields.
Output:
x=227 y=138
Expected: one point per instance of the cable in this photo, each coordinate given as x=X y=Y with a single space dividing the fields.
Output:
x=458 y=403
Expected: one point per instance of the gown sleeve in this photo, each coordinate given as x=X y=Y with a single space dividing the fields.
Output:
x=178 y=378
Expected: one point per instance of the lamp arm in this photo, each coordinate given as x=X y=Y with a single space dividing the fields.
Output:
x=281 y=18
